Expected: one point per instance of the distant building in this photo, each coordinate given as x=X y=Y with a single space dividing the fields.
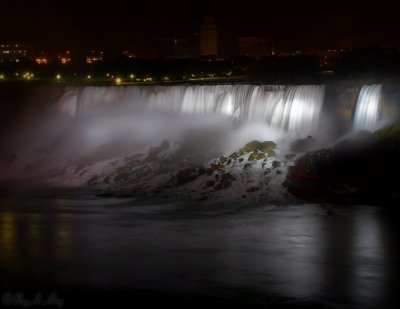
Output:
x=254 y=46
x=12 y=52
x=65 y=57
x=208 y=38
x=94 y=57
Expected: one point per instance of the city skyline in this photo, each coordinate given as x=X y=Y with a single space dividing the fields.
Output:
x=81 y=26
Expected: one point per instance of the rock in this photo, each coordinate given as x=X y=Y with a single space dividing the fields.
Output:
x=187 y=175
x=253 y=156
x=260 y=156
x=361 y=170
x=210 y=183
x=256 y=156
x=268 y=147
x=228 y=176
x=226 y=181
x=391 y=131
x=241 y=160
x=155 y=151
x=246 y=166
x=223 y=185
x=250 y=147
x=122 y=175
x=267 y=171
x=276 y=164
x=290 y=156
x=214 y=167
x=234 y=155
x=223 y=159
x=303 y=144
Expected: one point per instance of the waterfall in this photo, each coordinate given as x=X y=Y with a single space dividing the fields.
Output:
x=367 y=109
x=289 y=108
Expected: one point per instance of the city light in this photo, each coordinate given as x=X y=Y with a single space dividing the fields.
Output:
x=65 y=60
x=118 y=80
x=27 y=75
x=58 y=76
x=89 y=76
x=132 y=76
x=2 y=76
x=94 y=57
x=41 y=60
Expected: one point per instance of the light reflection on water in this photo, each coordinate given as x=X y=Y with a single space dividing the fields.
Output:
x=292 y=251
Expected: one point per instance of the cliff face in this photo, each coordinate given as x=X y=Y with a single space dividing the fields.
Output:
x=364 y=169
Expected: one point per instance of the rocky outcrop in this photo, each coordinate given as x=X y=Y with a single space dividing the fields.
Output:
x=361 y=170
x=267 y=147
x=303 y=144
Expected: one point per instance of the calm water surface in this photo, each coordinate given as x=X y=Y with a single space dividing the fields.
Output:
x=286 y=255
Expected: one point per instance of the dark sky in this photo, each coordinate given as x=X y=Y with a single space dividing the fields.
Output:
x=113 y=25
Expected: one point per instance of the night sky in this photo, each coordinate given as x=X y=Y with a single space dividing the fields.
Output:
x=116 y=25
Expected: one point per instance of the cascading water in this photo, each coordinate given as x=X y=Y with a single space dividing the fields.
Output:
x=90 y=131
x=367 y=109
x=289 y=108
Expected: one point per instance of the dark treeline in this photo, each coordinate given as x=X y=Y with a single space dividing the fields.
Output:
x=361 y=63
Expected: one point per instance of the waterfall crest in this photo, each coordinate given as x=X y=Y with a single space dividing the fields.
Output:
x=367 y=109
x=289 y=108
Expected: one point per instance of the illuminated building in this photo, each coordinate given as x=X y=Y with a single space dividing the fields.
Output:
x=41 y=60
x=94 y=57
x=65 y=58
x=208 y=38
x=12 y=52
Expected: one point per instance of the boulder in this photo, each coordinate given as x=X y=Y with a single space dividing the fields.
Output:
x=246 y=166
x=268 y=147
x=260 y=156
x=302 y=144
x=225 y=181
x=276 y=164
x=361 y=170
x=214 y=167
x=253 y=156
x=250 y=147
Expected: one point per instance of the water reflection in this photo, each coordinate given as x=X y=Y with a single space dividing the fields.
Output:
x=368 y=256
x=297 y=252
x=8 y=238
